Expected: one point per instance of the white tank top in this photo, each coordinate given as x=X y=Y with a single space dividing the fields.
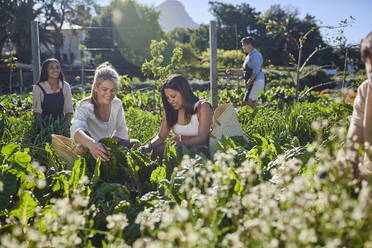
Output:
x=190 y=129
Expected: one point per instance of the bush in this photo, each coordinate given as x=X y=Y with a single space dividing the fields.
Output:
x=225 y=58
x=312 y=75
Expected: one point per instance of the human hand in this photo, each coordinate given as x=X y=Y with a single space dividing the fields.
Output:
x=134 y=143
x=117 y=139
x=146 y=148
x=177 y=144
x=228 y=71
x=99 y=150
x=176 y=137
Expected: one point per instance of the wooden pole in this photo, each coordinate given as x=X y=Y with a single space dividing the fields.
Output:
x=82 y=58
x=298 y=71
x=213 y=63
x=21 y=79
x=236 y=37
x=35 y=48
x=10 y=79
x=345 y=66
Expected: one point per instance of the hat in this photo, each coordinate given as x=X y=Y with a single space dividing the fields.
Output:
x=66 y=150
x=225 y=123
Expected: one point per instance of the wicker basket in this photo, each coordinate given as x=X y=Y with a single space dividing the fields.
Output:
x=225 y=123
x=66 y=150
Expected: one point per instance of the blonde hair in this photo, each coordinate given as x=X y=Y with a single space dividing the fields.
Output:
x=103 y=72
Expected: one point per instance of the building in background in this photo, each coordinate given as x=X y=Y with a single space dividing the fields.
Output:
x=70 y=52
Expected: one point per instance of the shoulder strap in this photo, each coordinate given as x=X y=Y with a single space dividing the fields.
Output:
x=199 y=108
x=42 y=89
x=63 y=83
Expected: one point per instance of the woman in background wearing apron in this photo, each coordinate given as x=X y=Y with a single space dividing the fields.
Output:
x=51 y=95
x=254 y=77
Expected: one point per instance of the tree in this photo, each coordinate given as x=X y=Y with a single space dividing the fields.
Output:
x=16 y=16
x=290 y=29
x=125 y=30
x=5 y=21
x=199 y=38
x=235 y=22
x=180 y=34
x=58 y=12
x=284 y=31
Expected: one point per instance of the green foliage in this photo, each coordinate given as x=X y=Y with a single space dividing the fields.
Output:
x=127 y=28
x=199 y=38
x=250 y=194
x=225 y=58
x=180 y=34
x=285 y=31
x=16 y=17
x=112 y=171
x=156 y=67
x=235 y=22
x=25 y=208
x=126 y=84
x=313 y=75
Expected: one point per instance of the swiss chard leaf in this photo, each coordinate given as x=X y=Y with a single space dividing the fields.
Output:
x=25 y=208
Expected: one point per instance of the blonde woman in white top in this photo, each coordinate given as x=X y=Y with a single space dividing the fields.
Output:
x=360 y=130
x=185 y=114
x=101 y=115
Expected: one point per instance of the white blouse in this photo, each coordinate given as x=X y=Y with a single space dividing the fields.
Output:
x=85 y=119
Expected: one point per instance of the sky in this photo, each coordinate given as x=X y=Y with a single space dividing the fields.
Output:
x=330 y=12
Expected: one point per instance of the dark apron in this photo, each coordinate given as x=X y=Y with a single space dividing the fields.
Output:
x=53 y=103
x=247 y=73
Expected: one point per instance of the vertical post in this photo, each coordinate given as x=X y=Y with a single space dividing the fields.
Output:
x=236 y=37
x=21 y=78
x=10 y=79
x=213 y=62
x=298 y=71
x=82 y=59
x=35 y=50
x=345 y=66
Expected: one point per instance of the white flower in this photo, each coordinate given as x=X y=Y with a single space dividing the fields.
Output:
x=33 y=235
x=117 y=222
x=274 y=243
x=232 y=240
x=41 y=183
x=182 y=214
x=38 y=167
x=333 y=243
x=307 y=236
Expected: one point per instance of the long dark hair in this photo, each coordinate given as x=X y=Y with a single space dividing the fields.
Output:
x=44 y=71
x=179 y=83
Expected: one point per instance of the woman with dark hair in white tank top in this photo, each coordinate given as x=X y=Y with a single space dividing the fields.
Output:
x=189 y=117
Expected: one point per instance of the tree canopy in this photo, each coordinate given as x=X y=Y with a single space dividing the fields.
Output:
x=124 y=30
x=16 y=16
